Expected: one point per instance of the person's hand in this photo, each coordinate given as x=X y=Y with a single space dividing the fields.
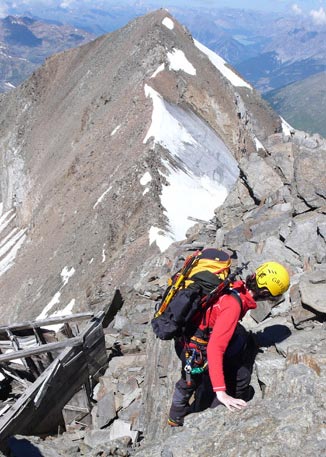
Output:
x=231 y=403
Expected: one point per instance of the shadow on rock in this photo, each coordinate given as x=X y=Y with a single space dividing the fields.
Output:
x=22 y=448
x=271 y=335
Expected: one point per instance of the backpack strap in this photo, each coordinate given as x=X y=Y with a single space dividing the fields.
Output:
x=207 y=280
x=236 y=295
x=205 y=333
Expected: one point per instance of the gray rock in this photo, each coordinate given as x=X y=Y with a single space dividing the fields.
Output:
x=272 y=331
x=310 y=177
x=300 y=316
x=270 y=249
x=304 y=340
x=261 y=312
x=254 y=169
x=95 y=438
x=304 y=238
x=266 y=365
x=133 y=414
x=121 y=429
x=283 y=307
x=120 y=365
x=105 y=410
x=120 y=322
x=282 y=157
x=312 y=289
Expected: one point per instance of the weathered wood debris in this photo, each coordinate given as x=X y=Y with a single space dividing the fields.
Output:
x=47 y=376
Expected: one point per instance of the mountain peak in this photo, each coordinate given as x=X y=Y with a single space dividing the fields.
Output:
x=113 y=149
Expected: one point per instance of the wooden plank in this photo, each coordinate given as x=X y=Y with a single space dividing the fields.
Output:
x=24 y=418
x=43 y=390
x=45 y=322
x=49 y=347
x=55 y=386
x=41 y=340
x=8 y=371
x=28 y=363
x=68 y=331
x=78 y=407
x=5 y=345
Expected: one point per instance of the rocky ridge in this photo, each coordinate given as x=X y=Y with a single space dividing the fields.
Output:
x=276 y=210
x=65 y=134
x=287 y=413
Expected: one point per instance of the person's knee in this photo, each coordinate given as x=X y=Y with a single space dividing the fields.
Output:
x=243 y=376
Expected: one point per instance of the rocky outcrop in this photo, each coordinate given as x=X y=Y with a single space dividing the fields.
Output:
x=286 y=413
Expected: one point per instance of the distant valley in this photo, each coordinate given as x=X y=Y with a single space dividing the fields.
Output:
x=302 y=104
x=268 y=50
x=26 y=42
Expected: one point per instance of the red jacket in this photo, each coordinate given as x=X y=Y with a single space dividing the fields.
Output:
x=222 y=318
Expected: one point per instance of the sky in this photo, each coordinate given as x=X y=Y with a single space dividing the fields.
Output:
x=316 y=9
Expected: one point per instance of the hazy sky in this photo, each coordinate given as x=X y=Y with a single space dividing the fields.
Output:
x=266 y=5
x=316 y=9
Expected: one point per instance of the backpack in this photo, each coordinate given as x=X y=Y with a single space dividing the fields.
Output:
x=203 y=275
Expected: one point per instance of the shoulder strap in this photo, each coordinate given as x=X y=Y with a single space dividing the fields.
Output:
x=236 y=295
x=204 y=334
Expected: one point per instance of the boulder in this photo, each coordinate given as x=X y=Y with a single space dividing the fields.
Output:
x=304 y=238
x=261 y=177
x=121 y=429
x=310 y=177
x=105 y=411
x=312 y=290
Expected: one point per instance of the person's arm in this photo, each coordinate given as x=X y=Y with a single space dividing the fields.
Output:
x=227 y=314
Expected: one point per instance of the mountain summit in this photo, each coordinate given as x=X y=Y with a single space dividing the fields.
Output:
x=108 y=150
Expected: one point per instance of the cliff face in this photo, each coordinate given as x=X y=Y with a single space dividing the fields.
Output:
x=110 y=153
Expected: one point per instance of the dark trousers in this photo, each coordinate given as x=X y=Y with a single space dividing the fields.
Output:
x=198 y=394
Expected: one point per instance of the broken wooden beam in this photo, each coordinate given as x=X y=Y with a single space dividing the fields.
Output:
x=45 y=322
x=41 y=349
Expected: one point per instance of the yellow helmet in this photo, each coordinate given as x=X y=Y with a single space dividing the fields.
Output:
x=274 y=277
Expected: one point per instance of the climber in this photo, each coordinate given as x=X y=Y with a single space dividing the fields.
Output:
x=223 y=345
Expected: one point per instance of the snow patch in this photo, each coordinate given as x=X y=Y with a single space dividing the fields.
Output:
x=164 y=128
x=10 y=249
x=178 y=61
x=188 y=196
x=8 y=84
x=102 y=197
x=168 y=23
x=160 y=237
x=6 y=218
x=205 y=170
x=158 y=70
x=66 y=274
x=221 y=65
x=54 y=300
x=286 y=128
x=258 y=144
x=67 y=311
x=115 y=130
x=145 y=179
